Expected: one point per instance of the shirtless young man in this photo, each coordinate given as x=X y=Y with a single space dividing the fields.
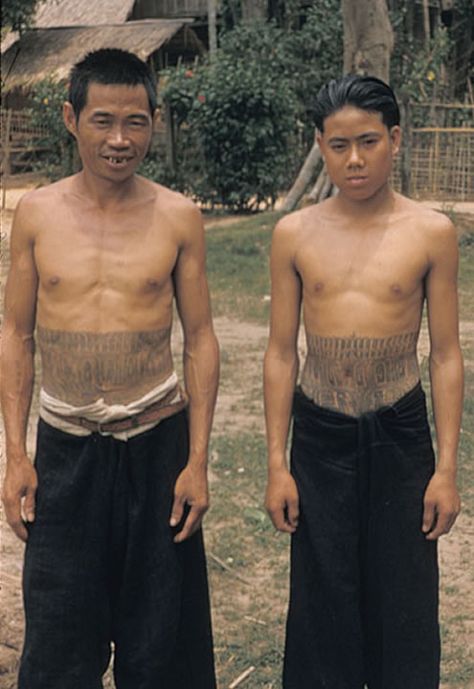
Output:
x=111 y=510
x=364 y=501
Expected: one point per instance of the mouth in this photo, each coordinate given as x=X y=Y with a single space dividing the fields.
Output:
x=117 y=161
x=356 y=180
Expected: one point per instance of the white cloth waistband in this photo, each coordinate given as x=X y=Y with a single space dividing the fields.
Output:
x=101 y=412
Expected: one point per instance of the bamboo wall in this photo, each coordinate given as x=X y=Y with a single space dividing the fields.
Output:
x=20 y=141
x=441 y=163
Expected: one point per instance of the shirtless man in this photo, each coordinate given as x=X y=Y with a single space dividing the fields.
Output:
x=364 y=502
x=111 y=509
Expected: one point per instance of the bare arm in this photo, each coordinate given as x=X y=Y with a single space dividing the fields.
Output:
x=280 y=373
x=442 y=502
x=201 y=374
x=17 y=373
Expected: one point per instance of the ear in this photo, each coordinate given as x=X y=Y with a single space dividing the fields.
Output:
x=155 y=120
x=69 y=118
x=396 y=139
x=319 y=140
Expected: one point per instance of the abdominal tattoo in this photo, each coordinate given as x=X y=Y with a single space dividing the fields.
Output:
x=81 y=367
x=359 y=374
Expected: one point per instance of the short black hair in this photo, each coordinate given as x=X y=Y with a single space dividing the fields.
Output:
x=364 y=92
x=109 y=66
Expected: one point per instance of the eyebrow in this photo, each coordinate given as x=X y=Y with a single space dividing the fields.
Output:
x=133 y=115
x=365 y=135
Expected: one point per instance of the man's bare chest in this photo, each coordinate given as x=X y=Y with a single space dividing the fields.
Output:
x=129 y=258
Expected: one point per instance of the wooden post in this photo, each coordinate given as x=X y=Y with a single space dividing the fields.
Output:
x=170 y=138
x=406 y=159
x=212 y=29
x=436 y=162
x=6 y=162
x=426 y=23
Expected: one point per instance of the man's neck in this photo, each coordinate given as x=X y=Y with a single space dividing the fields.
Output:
x=104 y=193
x=381 y=202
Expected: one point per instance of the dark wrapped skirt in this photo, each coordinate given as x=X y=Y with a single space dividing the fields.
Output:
x=101 y=566
x=364 y=579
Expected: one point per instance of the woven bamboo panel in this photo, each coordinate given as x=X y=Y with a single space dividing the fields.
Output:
x=442 y=163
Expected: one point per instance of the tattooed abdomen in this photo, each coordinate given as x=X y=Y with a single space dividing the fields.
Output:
x=81 y=367
x=359 y=374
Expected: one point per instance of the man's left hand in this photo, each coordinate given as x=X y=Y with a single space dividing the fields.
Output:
x=441 y=506
x=190 y=489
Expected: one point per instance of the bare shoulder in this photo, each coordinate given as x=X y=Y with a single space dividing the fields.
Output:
x=180 y=212
x=433 y=225
x=294 y=227
x=33 y=211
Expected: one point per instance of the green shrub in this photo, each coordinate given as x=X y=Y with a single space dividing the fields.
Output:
x=47 y=102
x=241 y=115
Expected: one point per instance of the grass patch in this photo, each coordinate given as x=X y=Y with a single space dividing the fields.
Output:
x=249 y=619
x=237 y=267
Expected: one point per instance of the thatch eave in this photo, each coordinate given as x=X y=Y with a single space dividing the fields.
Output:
x=50 y=53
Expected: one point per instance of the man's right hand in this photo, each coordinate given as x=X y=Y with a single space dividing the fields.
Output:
x=18 y=495
x=282 y=500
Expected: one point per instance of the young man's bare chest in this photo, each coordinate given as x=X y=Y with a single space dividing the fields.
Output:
x=355 y=280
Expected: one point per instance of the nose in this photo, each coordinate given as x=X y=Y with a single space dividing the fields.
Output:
x=117 y=137
x=355 y=159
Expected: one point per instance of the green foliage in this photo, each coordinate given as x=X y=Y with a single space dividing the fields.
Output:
x=425 y=72
x=17 y=14
x=48 y=99
x=314 y=54
x=241 y=112
x=415 y=68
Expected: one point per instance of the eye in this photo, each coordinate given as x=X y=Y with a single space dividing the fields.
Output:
x=101 y=121
x=338 y=146
x=369 y=142
x=137 y=124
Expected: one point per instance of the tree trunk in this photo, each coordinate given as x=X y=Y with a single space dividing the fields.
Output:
x=211 y=23
x=254 y=10
x=315 y=193
x=304 y=178
x=426 y=24
x=368 y=37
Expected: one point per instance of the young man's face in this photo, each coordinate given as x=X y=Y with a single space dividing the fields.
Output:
x=358 y=149
x=113 y=131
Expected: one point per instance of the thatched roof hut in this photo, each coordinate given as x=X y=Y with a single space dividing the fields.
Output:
x=55 y=13
x=42 y=53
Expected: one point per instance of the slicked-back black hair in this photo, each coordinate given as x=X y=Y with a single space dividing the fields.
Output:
x=109 y=66
x=364 y=92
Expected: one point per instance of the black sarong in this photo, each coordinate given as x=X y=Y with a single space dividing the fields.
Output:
x=364 y=579
x=101 y=566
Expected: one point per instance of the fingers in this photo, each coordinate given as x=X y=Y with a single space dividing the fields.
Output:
x=284 y=515
x=13 y=516
x=429 y=516
x=192 y=523
x=29 y=505
x=293 y=513
x=443 y=524
x=438 y=520
x=177 y=510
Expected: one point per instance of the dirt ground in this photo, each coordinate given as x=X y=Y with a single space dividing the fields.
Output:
x=242 y=345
